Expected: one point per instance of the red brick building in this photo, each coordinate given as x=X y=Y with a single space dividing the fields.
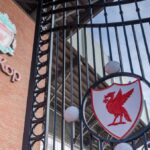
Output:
x=13 y=96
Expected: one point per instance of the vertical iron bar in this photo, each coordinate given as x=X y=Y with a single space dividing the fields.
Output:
x=56 y=86
x=92 y=36
x=143 y=32
x=146 y=109
x=79 y=78
x=102 y=51
x=126 y=38
x=138 y=51
x=86 y=60
x=71 y=68
x=63 y=78
x=100 y=145
x=119 y=50
x=50 y=57
x=145 y=141
x=71 y=84
x=108 y=34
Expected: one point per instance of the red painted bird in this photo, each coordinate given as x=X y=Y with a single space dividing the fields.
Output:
x=114 y=105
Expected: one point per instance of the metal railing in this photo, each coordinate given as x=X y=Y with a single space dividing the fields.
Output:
x=61 y=75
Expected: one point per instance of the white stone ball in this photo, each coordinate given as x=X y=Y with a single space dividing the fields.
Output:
x=123 y=146
x=112 y=67
x=71 y=114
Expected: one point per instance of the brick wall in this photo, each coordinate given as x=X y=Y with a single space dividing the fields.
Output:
x=13 y=96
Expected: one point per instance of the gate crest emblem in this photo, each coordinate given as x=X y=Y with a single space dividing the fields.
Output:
x=118 y=107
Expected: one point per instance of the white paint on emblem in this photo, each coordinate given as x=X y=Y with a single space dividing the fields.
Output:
x=118 y=108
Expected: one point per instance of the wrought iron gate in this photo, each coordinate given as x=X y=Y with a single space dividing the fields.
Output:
x=74 y=40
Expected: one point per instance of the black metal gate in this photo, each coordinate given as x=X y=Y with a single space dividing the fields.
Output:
x=74 y=40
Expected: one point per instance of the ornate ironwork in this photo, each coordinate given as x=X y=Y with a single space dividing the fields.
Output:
x=62 y=70
x=37 y=116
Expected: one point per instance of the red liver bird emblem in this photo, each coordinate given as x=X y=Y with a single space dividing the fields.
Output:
x=118 y=107
x=114 y=105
